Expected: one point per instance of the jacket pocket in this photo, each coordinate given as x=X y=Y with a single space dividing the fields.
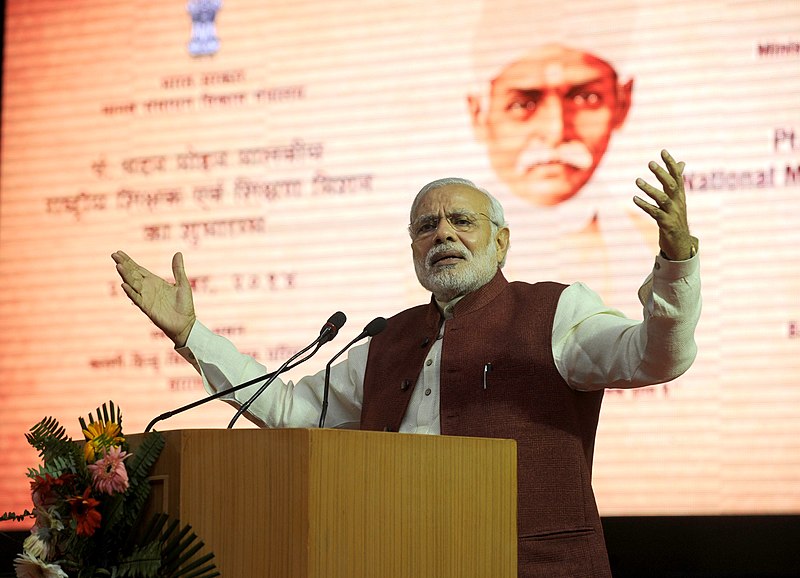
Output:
x=557 y=534
x=578 y=552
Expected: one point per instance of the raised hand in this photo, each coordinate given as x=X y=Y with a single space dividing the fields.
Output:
x=169 y=306
x=669 y=212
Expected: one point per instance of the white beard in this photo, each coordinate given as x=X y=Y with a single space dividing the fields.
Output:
x=450 y=281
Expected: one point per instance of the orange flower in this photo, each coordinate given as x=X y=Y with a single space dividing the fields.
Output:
x=84 y=512
x=101 y=435
x=44 y=489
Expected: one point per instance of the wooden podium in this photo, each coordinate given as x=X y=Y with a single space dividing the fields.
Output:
x=322 y=503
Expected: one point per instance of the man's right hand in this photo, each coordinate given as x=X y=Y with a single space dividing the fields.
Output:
x=169 y=306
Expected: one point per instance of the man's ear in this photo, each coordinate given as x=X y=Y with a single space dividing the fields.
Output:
x=502 y=240
x=476 y=115
x=624 y=92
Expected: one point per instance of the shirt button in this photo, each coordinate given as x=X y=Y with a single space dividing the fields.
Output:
x=428 y=391
x=428 y=363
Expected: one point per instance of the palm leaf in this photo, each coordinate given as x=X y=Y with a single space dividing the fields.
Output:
x=188 y=548
x=173 y=544
x=104 y=414
x=179 y=555
x=144 y=562
x=154 y=526
x=192 y=570
x=185 y=563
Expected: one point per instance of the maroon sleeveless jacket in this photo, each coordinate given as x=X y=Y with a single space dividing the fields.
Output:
x=508 y=325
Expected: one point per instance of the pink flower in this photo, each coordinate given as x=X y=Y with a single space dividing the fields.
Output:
x=108 y=473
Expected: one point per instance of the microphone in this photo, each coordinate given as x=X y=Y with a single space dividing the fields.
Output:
x=328 y=332
x=371 y=330
x=339 y=318
x=332 y=327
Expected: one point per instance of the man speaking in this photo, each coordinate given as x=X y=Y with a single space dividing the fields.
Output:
x=484 y=357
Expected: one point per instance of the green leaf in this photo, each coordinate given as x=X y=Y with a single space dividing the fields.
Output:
x=168 y=550
x=181 y=554
x=188 y=549
x=144 y=562
x=154 y=527
x=50 y=439
x=104 y=415
x=46 y=430
x=144 y=457
x=175 y=545
x=114 y=512
x=197 y=568
x=138 y=467
x=18 y=517
x=56 y=466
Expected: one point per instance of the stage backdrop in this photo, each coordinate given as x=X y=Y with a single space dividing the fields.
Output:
x=278 y=145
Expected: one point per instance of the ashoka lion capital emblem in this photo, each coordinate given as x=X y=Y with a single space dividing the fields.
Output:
x=204 y=39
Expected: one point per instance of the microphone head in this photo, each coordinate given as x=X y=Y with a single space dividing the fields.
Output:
x=338 y=319
x=332 y=327
x=375 y=326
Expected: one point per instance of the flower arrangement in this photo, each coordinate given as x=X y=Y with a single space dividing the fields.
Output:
x=87 y=504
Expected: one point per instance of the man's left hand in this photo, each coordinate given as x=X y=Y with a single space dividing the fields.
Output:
x=670 y=209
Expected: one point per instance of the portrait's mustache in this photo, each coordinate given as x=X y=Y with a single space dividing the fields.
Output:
x=573 y=153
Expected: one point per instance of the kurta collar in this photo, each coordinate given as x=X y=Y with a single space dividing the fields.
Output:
x=470 y=302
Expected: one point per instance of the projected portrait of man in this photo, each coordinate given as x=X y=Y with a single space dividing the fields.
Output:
x=544 y=105
x=551 y=89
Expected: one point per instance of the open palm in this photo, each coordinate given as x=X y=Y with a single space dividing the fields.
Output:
x=169 y=306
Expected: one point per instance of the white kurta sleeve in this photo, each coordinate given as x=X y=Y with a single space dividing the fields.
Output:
x=283 y=403
x=595 y=346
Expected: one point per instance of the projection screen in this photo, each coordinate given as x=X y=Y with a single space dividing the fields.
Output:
x=278 y=145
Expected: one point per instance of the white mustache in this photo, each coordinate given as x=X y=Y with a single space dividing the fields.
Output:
x=439 y=249
x=572 y=153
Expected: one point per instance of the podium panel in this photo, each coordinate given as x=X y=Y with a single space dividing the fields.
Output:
x=323 y=503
